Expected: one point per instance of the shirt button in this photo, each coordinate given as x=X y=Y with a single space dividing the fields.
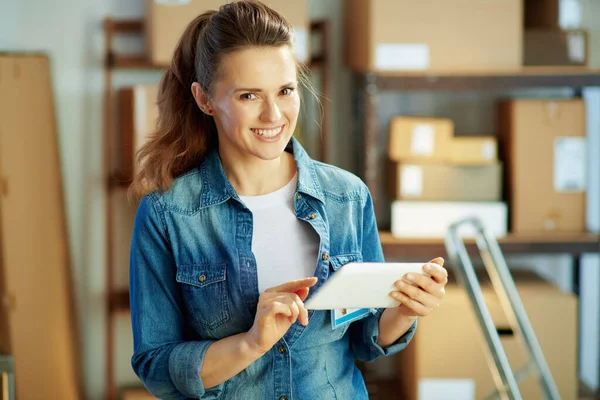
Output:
x=325 y=257
x=298 y=197
x=202 y=278
x=312 y=216
x=283 y=398
x=281 y=349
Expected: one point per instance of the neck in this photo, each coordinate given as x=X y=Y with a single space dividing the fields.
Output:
x=255 y=177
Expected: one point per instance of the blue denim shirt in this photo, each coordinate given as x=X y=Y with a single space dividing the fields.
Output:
x=193 y=280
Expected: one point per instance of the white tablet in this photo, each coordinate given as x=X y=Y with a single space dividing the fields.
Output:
x=362 y=285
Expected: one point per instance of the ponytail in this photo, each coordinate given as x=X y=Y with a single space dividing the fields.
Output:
x=183 y=133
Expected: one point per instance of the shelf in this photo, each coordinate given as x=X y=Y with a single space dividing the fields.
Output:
x=526 y=77
x=141 y=61
x=574 y=244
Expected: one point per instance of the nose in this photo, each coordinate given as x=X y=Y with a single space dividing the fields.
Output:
x=270 y=112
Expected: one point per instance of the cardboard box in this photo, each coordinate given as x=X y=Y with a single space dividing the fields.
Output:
x=447 y=355
x=553 y=14
x=420 y=139
x=432 y=35
x=445 y=182
x=556 y=47
x=474 y=150
x=138 y=118
x=544 y=150
x=37 y=308
x=166 y=21
x=423 y=219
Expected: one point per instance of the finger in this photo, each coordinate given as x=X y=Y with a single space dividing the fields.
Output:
x=303 y=316
x=279 y=308
x=418 y=294
x=416 y=307
x=294 y=308
x=293 y=286
x=425 y=282
x=302 y=293
x=437 y=272
x=291 y=301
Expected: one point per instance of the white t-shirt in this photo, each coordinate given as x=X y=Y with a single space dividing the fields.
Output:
x=285 y=247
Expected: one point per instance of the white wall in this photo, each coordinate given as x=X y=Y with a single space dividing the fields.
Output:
x=70 y=31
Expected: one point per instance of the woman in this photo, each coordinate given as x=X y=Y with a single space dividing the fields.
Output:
x=237 y=224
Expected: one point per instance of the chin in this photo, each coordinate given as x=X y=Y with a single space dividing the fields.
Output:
x=270 y=152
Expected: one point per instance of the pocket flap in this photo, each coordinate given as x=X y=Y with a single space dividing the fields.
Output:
x=337 y=261
x=201 y=275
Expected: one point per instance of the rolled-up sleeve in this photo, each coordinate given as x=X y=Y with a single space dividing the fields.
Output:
x=168 y=365
x=365 y=333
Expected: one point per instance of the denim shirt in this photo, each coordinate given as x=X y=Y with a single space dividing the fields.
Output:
x=193 y=281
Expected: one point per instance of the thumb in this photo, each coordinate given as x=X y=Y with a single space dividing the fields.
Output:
x=438 y=260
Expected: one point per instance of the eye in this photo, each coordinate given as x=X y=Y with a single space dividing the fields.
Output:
x=287 y=91
x=248 y=96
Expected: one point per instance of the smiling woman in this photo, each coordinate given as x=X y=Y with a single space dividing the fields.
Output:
x=236 y=224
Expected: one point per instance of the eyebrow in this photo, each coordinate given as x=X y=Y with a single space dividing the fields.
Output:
x=294 y=83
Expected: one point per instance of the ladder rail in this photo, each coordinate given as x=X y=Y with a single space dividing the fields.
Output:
x=505 y=288
x=512 y=305
x=502 y=374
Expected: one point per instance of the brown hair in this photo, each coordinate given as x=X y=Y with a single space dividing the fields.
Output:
x=184 y=133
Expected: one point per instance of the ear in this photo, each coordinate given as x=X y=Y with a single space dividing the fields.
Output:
x=201 y=98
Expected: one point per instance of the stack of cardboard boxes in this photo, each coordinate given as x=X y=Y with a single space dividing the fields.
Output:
x=464 y=35
x=553 y=34
x=436 y=178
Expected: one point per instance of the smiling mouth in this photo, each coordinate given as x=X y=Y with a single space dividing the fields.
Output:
x=268 y=132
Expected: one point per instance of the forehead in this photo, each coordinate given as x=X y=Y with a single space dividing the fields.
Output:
x=258 y=67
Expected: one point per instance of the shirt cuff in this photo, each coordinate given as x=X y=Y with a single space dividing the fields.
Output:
x=185 y=364
x=371 y=331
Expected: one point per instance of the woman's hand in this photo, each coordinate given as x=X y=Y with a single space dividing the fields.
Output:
x=420 y=294
x=415 y=301
x=279 y=308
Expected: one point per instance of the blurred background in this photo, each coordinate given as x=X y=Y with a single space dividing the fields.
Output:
x=444 y=108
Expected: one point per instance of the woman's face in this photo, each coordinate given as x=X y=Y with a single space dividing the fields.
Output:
x=255 y=102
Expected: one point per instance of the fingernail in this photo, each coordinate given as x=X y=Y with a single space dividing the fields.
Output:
x=401 y=284
x=427 y=267
x=410 y=277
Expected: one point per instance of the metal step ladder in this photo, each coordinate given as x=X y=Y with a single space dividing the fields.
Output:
x=504 y=286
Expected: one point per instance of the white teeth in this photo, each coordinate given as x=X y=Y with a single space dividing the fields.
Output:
x=268 y=132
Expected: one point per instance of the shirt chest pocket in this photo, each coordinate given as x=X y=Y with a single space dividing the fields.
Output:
x=204 y=288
